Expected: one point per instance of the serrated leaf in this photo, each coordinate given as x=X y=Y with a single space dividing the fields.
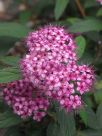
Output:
x=60 y=7
x=9 y=74
x=64 y=125
x=8 y=119
x=67 y=123
x=86 y=26
x=81 y=43
x=13 y=30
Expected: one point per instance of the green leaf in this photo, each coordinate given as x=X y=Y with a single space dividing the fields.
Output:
x=10 y=60
x=90 y=3
x=87 y=100
x=53 y=130
x=13 y=30
x=98 y=92
x=94 y=36
x=99 y=115
x=86 y=26
x=9 y=74
x=8 y=119
x=99 y=12
x=81 y=43
x=60 y=6
x=98 y=96
x=24 y=16
x=65 y=125
x=67 y=122
x=83 y=115
x=90 y=132
x=92 y=119
x=6 y=43
x=98 y=84
x=72 y=20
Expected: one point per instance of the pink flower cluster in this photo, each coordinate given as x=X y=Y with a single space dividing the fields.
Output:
x=50 y=72
x=22 y=96
x=99 y=1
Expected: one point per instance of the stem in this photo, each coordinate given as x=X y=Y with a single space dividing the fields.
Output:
x=80 y=8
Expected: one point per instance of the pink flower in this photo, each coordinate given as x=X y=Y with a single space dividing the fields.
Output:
x=22 y=97
x=49 y=72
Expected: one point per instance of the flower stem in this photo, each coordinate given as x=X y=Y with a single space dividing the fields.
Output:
x=80 y=8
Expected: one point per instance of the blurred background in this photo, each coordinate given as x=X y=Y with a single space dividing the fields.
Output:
x=18 y=17
x=82 y=18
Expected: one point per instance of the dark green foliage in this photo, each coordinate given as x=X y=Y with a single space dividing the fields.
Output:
x=86 y=25
x=63 y=124
x=8 y=119
x=9 y=74
x=13 y=30
x=60 y=6
x=81 y=43
x=87 y=32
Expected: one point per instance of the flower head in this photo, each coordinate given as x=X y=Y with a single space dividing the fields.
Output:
x=23 y=98
x=50 y=72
